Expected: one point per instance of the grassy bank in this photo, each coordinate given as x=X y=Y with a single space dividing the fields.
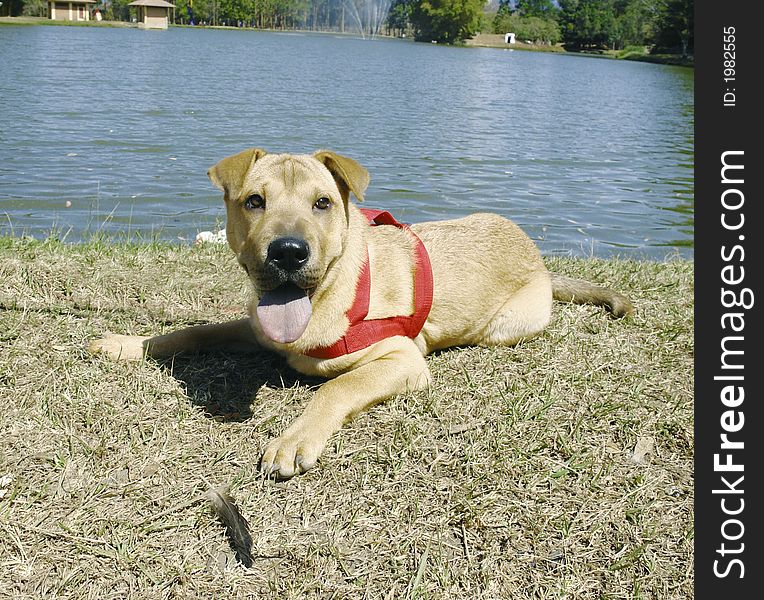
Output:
x=20 y=21
x=561 y=468
x=637 y=53
x=496 y=40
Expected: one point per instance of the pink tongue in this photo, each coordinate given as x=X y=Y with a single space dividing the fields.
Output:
x=284 y=313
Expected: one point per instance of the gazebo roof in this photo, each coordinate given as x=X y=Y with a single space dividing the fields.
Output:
x=161 y=3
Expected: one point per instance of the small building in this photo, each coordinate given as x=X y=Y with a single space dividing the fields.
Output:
x=152 y=14
x=70 y=10
x=509 y=38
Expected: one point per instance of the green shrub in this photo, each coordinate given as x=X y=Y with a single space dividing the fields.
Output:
x=533 y=29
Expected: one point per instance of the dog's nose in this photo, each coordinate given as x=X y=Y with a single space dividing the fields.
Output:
x=288 y=253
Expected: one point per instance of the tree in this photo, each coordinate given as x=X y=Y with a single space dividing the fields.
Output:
x=398 y=17
x=674 y=27
x=538 y=29
x=635 y=21
x=35 y=8
x=536 y=8
x=116 y=10
x=12 y=8
x=446 y=21
x=588 y=23
x=666 y=24
x=534 y=29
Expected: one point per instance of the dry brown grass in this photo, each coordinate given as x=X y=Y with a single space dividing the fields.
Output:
x=515 y=476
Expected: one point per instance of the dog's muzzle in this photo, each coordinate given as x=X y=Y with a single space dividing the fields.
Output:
x=286 y=262
x=287 y=282
x=287 y=254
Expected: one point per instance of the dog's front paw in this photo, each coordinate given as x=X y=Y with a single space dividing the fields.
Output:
x=293 y=453
x=119 y=347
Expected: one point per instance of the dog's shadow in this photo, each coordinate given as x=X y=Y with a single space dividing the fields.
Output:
x=224 y=384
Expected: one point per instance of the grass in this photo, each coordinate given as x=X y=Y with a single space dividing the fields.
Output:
x=25 y=21
x=496 y=40
x=641 y=53
x=561 y=468
x=638 y=53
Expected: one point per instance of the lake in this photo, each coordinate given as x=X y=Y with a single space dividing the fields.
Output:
x=112 y=131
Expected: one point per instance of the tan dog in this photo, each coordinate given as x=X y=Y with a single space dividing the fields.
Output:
x=303 y=246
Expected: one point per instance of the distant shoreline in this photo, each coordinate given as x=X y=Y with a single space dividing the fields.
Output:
x=496 y=40
x=480 y=40
x=25 y=21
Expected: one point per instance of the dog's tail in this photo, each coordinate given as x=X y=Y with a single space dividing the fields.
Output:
x=578 y=291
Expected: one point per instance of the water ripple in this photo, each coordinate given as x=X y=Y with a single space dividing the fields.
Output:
x=589 y=156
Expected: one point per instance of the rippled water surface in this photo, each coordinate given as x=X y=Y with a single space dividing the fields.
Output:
x=113 y=130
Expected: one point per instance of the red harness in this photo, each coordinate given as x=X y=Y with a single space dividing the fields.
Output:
x=363 y=332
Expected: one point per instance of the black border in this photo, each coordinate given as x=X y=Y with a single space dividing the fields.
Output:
x=719 y=128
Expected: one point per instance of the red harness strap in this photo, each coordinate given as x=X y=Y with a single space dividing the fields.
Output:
x=363 y=332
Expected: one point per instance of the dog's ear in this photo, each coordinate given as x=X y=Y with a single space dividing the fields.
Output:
x=349 y=175
x=228 y=175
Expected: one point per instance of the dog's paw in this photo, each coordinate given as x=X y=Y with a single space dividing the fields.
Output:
x=119 y=347
x=294 y=453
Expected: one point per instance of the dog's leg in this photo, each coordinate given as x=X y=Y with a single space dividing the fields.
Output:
x=522 y=317
x=231 y=335
x=338 y=400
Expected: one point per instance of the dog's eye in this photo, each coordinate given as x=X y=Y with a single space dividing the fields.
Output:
x=322 y=203
x=254 y=201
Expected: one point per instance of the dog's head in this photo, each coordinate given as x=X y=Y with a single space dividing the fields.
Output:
x=287 y=218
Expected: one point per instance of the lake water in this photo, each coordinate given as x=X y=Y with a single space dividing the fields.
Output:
x=112 y=131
